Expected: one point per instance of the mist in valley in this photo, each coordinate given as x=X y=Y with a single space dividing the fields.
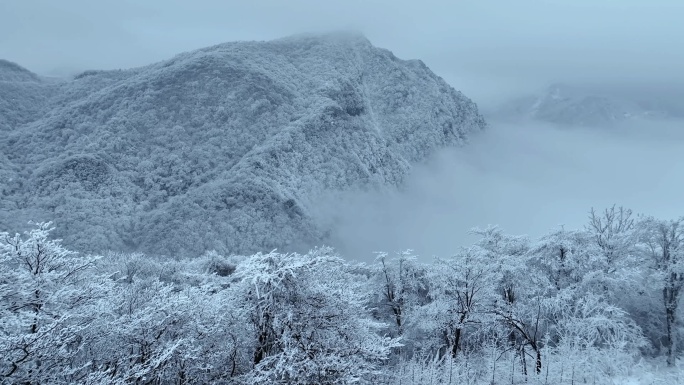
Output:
x=528 y=178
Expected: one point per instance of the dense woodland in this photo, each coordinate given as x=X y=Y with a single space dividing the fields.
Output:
x=575 y=306
x=223 y=148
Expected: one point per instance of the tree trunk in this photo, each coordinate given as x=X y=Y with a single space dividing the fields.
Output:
x=457 y=336
x=537 y=361
x=523 y=361
x=457 y=343
x=260 y=352
x=670 y=319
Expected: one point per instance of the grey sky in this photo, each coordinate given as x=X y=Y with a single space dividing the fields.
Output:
x=482 y=47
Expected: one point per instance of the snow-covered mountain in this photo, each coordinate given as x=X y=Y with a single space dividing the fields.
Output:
x=596 y=105
x=220 y=148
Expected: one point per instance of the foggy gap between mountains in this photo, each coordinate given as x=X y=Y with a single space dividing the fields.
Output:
x=528 y=178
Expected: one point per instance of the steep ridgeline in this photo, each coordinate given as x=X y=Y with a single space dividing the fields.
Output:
x=221 y=148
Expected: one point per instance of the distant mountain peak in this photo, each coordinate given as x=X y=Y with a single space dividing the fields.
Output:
x=595 y=105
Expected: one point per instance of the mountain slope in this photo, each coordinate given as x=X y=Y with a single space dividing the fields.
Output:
x=225 y=147
x=23 y=95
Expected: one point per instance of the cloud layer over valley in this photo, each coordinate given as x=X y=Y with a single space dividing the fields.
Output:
x=527 y=178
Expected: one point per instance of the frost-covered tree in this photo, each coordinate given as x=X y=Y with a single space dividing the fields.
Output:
x=589 y=322
x=662 y=242
x=317 y=319
x=507 y=255
x=613 y=232
x=46 y=308
x=400 y=285
x=462 y=291
x=309 y=320
x=519 y=307
x=565 y=257
x=583 y=283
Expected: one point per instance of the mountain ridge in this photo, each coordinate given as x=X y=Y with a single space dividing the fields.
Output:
x=226 y=147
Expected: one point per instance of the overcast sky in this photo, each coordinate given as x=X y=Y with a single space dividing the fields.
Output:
x=480 y=46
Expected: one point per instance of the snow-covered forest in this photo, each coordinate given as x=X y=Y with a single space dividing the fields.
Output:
x=226 y=147
x=259 y=192
x=588 y=305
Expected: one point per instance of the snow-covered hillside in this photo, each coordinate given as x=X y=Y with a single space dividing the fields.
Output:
x=603 y=105
x=221 y=148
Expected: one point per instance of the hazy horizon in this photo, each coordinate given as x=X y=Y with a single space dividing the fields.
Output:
x=489 y=49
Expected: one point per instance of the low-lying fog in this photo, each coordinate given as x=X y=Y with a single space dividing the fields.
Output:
x=527 y=178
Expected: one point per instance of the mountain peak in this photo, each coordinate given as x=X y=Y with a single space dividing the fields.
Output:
x=226 y=147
